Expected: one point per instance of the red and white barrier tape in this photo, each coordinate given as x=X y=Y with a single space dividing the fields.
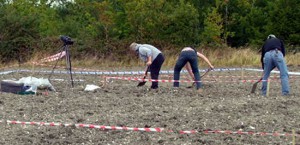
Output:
x=54 y=57
x=171 y=71
x=240 y=133
x=150 y=129
x=236 y=76
x=85 y=126
x=120 y=128
x=183 y=81
x=142 y=72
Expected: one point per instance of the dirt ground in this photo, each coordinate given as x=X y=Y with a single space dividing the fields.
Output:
x=225 y=105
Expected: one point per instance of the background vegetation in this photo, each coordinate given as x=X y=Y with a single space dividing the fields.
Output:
x=103 y=29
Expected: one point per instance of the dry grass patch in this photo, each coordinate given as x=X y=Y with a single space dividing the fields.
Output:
x=225 y=57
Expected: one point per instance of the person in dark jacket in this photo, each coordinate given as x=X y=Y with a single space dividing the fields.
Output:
x=153 y=58
x=273 y=52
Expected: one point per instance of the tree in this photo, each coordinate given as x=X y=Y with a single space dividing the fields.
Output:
x=182 y=24
x=284 y=20
x=144 y=18
x=213 y=27
x=19 y=19
x=248 y=21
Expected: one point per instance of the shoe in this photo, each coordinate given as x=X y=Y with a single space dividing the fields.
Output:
x=154 y=90
x=263 y=95
x=286 y=95
x=175 y=89
x=155 y=87
x=200 y=91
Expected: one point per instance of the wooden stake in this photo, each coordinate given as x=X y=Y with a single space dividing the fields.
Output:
x=104 y=81
x=294 y=137
x=32 y=68
x=268 y=87
x=243 y=74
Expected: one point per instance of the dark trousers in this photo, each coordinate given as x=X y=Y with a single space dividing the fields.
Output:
x=185 y=57
x=155 y=68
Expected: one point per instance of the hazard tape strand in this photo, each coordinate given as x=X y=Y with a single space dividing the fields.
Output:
x=102 y=127
x=183 y=81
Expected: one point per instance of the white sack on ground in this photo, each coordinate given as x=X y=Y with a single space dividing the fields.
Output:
x=40 y=83
x=91 y=88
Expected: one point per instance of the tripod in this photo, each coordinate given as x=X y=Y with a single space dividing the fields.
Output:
x=68 y=62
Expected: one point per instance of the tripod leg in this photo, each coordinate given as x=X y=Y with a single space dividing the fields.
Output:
x=55 y=64
x=69 y=66
x=70 y=69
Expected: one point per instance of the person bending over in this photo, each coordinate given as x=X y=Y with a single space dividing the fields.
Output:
x=153 y=58
x=273 y=52
x=189 y=58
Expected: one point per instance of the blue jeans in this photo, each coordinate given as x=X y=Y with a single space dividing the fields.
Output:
x=274 y=58
x=184 y=57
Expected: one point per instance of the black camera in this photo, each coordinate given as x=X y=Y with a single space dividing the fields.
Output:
x=67 y=40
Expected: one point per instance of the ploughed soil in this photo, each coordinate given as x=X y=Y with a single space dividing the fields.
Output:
x=226 y=104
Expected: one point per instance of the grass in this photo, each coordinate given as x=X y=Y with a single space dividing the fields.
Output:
x=293 y=59
x=227 y=57
x=233 y=57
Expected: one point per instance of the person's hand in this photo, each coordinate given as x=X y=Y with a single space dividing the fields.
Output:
x=211 y=67
x=143 y=78
x=148 y=63
x=194 y=84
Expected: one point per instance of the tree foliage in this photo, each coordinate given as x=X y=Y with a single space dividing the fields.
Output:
x=19 y=32
x=106 y=27
x=213 y=26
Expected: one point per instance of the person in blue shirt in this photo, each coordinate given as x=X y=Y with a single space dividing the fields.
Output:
x=153 y=58
x=273 y=52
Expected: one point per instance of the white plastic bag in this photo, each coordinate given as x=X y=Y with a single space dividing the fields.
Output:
x=91 y=88
x=40 y=83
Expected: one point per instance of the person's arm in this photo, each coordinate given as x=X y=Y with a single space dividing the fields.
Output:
x=189 y=69
x=205 y=59
x=282 y=48
x=149 y=61
x=146 y=55
x=262 y=56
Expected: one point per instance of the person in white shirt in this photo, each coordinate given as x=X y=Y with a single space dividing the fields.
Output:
x=153 y=58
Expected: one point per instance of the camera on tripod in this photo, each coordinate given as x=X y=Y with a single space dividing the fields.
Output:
x=67 y=40
x=65 y=48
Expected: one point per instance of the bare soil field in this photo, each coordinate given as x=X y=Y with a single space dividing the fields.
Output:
x=225 y=113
